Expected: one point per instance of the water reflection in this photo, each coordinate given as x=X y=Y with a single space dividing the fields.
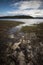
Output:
x=27 y=22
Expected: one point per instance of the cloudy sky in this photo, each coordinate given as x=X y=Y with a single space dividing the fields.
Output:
x=21 y=7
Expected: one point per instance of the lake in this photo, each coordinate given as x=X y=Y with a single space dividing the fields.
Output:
x=27 y=22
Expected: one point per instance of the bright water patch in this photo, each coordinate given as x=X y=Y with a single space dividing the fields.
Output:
x=27 y=22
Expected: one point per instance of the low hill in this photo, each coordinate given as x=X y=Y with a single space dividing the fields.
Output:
x=18 y=16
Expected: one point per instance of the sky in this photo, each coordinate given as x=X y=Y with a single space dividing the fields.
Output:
x=21 y=7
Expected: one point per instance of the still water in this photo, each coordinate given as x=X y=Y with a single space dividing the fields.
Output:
x=27 y=22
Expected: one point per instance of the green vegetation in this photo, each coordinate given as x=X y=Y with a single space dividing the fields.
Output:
x=34 y=28
x=28 y=29
x=9 y=56
x=39 y=31
x=6 y=25
x=37 y=28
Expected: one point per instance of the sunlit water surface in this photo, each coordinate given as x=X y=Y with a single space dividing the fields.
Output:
x=27 y=22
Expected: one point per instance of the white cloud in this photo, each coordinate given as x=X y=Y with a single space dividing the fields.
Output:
x=27 y=4
x=39 y=13
x=23 y=5
x=33 y=13
x=2 y=15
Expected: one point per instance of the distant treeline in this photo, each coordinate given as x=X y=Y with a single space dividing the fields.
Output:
x=15 y=17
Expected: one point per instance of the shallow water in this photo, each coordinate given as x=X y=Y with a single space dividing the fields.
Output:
x=27 y=22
